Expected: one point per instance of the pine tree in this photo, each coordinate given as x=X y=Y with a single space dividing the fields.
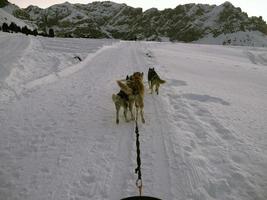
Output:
x=19 y=29
x=13 y=27
x=51 y=33
x=35 y=32
x=25 y=30
x=5 y=27
x=3 y=3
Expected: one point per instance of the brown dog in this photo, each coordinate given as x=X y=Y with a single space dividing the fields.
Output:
x=135 y=89
x=125 y=101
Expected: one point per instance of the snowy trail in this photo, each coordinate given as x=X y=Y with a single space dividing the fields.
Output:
x=59 y=139
x=176 y=176
x=213 y=157
x=154 y=155
x=156 y=152
x=155 y=171
x=57 y=142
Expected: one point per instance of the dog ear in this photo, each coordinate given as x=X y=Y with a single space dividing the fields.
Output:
x=142 y=73
x=127 y=77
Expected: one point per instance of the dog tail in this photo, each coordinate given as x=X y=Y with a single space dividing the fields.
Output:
x=162 y=81
x=125 y=88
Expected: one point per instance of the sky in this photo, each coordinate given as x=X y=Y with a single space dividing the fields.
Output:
x=252 y=7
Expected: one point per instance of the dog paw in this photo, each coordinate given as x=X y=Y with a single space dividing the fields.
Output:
x=117 y=121
x=143 y=120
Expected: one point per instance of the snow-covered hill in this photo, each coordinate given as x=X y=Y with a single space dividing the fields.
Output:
x=204 y=136
x=187 y=23
x=29 y=60
x=240 y=38
x=6 y=16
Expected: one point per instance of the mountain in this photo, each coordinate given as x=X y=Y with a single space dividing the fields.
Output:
x=187 y=23
x=7 y=11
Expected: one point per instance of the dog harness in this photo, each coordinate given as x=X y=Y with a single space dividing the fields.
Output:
x=123 y=95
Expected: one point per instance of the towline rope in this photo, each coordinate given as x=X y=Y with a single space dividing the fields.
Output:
x=139 y=183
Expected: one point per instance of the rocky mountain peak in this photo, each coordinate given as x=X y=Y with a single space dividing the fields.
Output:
x=189 y=22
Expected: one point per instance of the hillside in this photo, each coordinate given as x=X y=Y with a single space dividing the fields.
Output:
x=186 y=23
x=6 y=15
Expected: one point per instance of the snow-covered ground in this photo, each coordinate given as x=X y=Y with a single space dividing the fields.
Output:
x=205 y=136
x=30 y=61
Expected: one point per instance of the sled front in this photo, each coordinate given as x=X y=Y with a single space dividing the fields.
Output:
x=140 y=198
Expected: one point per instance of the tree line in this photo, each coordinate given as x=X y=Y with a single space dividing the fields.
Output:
x=14 y=28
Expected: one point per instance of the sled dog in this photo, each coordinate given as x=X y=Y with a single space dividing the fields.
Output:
x=154 y=80
x=134 y=88
x=125 y=101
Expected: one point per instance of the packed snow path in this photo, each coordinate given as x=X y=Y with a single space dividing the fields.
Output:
x=204 y=137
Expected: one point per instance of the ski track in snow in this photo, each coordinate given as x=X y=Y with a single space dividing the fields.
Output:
x=210 y=160
x=74 y=177
x=60 y=140
x=257 y=56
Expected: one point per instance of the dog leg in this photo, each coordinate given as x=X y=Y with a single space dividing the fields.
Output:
x=131 y=109
x=157 y=89
x=125 y=114
x=151 y=89
x=142 y=115
x=117 y=113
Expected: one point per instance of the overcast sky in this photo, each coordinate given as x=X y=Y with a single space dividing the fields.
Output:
x=252 y=7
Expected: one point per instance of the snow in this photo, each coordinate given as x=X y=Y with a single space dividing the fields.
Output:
x=10 y=8
x=204 y=137
x=212 y=16
x=37 y=59
x=77 y=12
x=240 y=38
x=5 y=17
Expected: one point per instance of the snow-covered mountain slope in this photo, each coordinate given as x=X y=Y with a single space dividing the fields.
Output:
x=77 y=20
x=189 y=22
x=240 y=38
x=10 y=8
x=6 y=17
x=204 y=136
